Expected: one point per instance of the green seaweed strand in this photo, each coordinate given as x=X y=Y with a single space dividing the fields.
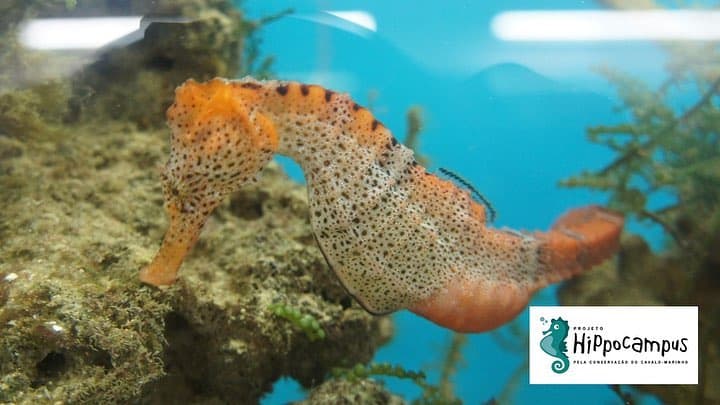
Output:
x=431 y=393
x=305 y=322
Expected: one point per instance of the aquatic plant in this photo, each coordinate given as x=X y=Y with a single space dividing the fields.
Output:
x=253 y=62
x=450 y=365
x=305 y=322
x=514 y=339
x=662 y=150
x=414 y=126
x=431 y=394
x=665 y=147
x=336 y=391
x=360 y=371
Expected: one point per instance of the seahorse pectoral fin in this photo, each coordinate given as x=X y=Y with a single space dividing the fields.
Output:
x=547 y=345
x=580 y=239
x=180 y=237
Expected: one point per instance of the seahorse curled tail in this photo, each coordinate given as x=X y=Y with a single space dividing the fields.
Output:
x=561 y=365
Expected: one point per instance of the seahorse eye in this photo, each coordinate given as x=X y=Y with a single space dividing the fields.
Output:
x=556 y=326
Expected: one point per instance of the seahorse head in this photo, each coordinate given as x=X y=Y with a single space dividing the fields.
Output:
x=558 y=329
x=219 y=142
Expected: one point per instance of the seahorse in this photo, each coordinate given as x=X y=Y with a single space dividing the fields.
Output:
x=396 y=235
x=554 y=344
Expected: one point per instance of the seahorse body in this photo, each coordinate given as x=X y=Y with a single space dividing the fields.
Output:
x=554 y=344
x=395 y=235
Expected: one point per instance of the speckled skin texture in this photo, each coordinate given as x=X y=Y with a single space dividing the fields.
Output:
x=395 y=235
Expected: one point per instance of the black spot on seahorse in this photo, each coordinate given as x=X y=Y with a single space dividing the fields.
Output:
x=375 y=124
x=253 y=86
x=282 y=89
x=394 y=141
x=328 y=94
x=356 y=106
x=304 y=89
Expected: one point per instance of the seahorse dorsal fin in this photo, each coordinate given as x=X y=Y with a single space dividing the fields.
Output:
x=473 y=192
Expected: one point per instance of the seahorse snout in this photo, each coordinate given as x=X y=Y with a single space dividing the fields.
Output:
x=180 y=237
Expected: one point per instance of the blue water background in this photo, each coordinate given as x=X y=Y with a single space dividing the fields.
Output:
x=509 y=117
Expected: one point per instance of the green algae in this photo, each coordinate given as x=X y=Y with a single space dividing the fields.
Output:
x=432 y=394
x=34 y=111
x=362 y=372
x=75 y=329
x=305 y=322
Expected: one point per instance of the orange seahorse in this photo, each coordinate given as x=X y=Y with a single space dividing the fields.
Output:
x=396 y=236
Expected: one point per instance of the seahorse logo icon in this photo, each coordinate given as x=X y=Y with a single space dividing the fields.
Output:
x=553 y=343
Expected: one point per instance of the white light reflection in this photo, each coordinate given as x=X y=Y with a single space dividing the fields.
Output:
x=359 y=18
x=357 y=22
x=579 y=25
x=76 y=33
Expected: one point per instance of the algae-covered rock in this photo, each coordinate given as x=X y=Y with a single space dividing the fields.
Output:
x=132 y=79
x=73 y=327
x=82 y=214
x=180 y=39
x=33 y=111
x=345 y=392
